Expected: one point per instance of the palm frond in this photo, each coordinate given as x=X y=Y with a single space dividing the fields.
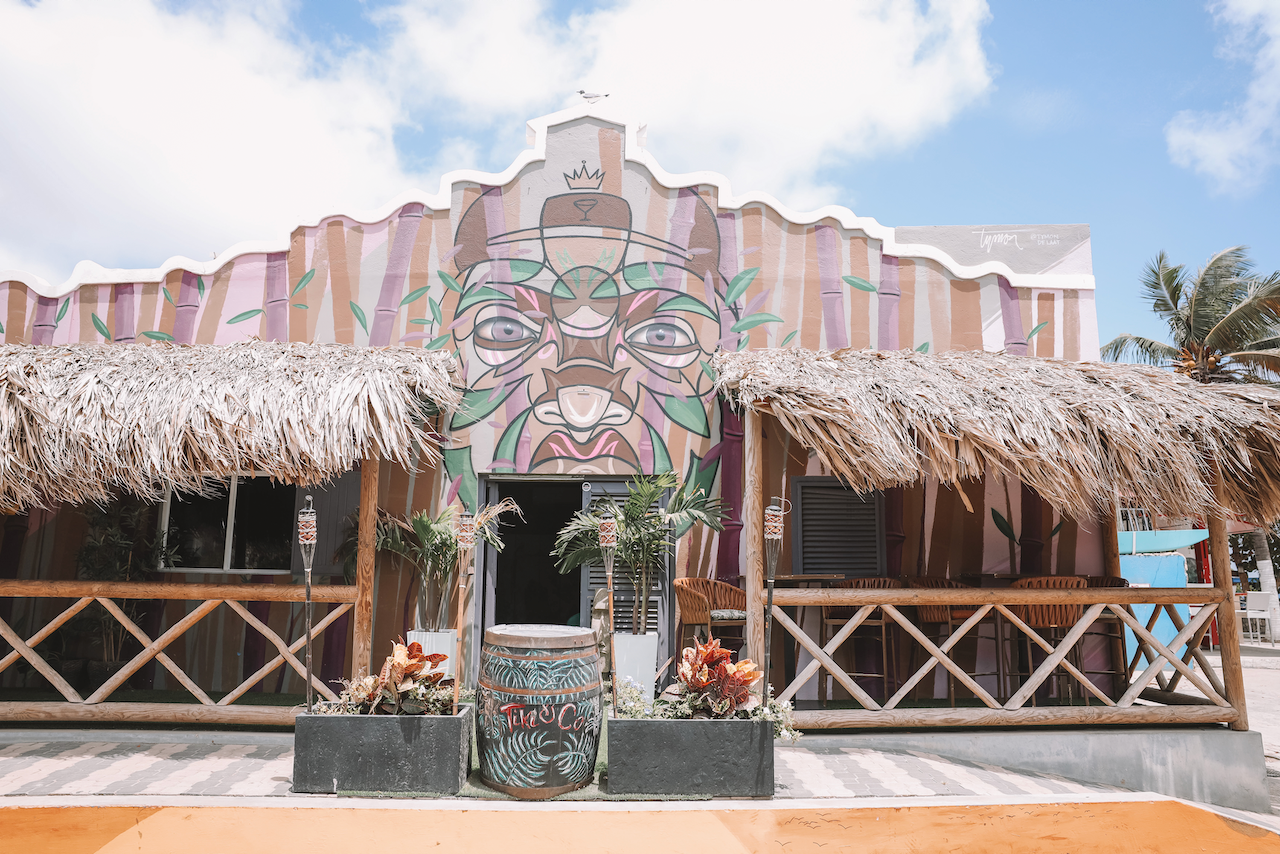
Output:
x=1163 y=285
x=1216 y=288
x=1254 y=316
x=1264 y=362
x=1136 y=348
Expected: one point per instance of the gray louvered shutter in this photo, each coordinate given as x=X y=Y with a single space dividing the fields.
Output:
x=836 y=531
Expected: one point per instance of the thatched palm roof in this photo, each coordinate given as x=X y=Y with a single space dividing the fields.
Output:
x=1079 y=433
x=81 y=422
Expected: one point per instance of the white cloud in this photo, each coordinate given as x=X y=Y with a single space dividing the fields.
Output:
x=132 y=132
x=1238 y=146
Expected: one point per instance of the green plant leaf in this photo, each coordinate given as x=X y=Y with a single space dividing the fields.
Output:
x=684 y=302
x=437 y=343
x=1036 y=329
x=689 y=413
x=708 y=370
x=859 y=283
x=790 y=335
x=302 y=283
x=506 y=447
x=739 y=284
x=923 y=348
x=449 y=281
x=743 y=342
x=299 y=305
x=100 y=326
x=753 y=320
x=457 y=463
x=420 y=321
x=480 y=294
x=1003 y=525
x=200 y=286
x=435 y=310
x=358 y=313
x=415 y=295
x=158 y=336
x=661 y=456
x=167 y=297
x=245 y=315
x=477 y=406
x=62 y=311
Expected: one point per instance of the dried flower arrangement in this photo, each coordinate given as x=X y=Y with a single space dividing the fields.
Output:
x=710 y=686
x=410 y=683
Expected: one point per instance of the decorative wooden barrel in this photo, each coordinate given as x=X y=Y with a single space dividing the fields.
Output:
x=539 y=702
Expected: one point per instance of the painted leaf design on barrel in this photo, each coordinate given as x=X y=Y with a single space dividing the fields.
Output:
x=521 y=759
x=576 y=758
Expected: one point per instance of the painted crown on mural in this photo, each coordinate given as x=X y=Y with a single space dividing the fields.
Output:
x=584 y=180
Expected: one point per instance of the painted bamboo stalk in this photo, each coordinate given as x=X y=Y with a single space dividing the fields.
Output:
x=728 y=544
x=1015 y=337
x=46 y=320
x=186 y=309
x=126 y=313
x=276 y=304
x=832 y=288
x=887 y=304
x=401 y=250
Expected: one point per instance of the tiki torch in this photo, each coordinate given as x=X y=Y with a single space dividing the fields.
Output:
x=607 y=528
x=307 y=545
x=466 y=542
x=772 y=546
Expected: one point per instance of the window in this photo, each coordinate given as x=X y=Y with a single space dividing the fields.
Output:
x=246 y=528
x=836 y=531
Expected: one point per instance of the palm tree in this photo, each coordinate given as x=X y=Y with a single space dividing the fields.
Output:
x=1224 y=322
x=645 y=531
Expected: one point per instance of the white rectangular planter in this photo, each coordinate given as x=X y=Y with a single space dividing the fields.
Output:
x=444 y=643
x=636 y=658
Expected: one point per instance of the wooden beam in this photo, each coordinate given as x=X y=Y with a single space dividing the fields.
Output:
x=1033 y=716
x=837 y=672
x=154 y=648
x=178 y=592
x=178 y=713
x=49 y=629
x=273 y=664
x=1174 y=698
x=1111 y=545
x=283 y=649
x=362 y=641
x=830 y=649
x=1228 y=629
x=996 y=596
x=35 y=660
x=753 y=533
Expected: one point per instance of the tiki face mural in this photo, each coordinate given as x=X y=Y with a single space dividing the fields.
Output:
x=576 y=317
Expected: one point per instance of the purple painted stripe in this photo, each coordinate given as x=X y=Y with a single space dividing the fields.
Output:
x=277 y=302
x=126 y=313
x=384 y=317
x=832 y=288
x=1015 y=339
x=890 y=292
x=46 y=320
x=727 y=225
x=495 y=223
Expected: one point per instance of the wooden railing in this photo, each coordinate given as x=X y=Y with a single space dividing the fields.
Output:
x=210 y=596
x=1135 y=701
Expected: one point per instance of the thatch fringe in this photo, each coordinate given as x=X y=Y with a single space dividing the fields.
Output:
x=1079 y=433
x=81 y=422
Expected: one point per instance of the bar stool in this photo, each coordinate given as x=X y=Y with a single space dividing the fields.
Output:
x=946 y=616
x=1112 y=628
x=1056 y=620
x=711 y=604
x=835 y=616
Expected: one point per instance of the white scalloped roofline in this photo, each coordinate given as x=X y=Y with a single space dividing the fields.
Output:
x=91 y=273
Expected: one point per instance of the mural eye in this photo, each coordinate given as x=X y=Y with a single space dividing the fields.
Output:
x=661 y=335
x=503 y=330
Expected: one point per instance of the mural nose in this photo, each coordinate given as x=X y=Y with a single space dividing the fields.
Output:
x=583 y=406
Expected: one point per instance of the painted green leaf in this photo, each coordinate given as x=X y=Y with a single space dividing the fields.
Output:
x=1056 y=529
x=457 y=463
x=637 y=276
x=561 y=290
x=1003 y=524
x=751 y=321
x=358 y=313
x=859 y=283
x=708 y=370
x=245 y=315
x=100 y=326
x=200 y=286
x=684 y=302
x=167 y=297
x=435 y=310
x=738 y=286
x=506 y=448
x=605 y=290
x=792 y=334
x=158 y=336
x=522 y=271
x=697 y=477
x=923 y=348
x=302 y=283
x=661 y=456
x=689 y=413
x=477 y=406
x=743 y=342
x=420 y=321
x=437 y=343
x=62 y=311
x=414 y=295
x=299 y=305
x=1 y=328
x=449 y=281
x=481 y=294
x=1036 y=329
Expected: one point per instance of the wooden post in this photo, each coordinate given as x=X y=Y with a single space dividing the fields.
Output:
x=1110 y=545
x=753 y=534
x=362 y=641
x=1228 y=630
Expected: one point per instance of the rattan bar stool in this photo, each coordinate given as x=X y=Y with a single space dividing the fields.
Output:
x=1111 y=627
x=835 y=616
x=945 y=617
x=1054 y=620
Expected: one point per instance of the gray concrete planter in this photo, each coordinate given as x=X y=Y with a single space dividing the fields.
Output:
x=732 y=758
x=430 y=754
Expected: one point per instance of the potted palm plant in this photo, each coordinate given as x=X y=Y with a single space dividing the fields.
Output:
x=645 y=528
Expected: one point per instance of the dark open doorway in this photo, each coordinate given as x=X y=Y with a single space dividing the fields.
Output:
x=529 y=588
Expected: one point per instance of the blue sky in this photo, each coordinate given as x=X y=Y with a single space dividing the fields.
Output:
x=153 y=128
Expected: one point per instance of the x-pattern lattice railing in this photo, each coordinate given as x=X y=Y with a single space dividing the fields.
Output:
x=210 y=597
x=1134 y=702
